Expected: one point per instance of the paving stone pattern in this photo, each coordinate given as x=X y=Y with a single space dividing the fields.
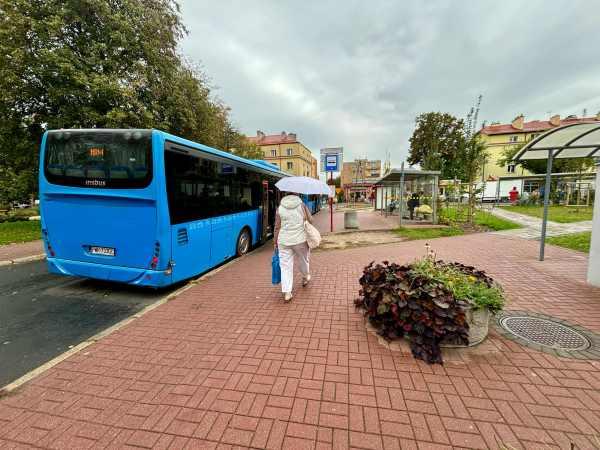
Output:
x=532 y=226
x=367 y=220
x=227 y=364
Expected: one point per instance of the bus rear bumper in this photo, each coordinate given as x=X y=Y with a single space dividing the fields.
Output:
x=140 y=277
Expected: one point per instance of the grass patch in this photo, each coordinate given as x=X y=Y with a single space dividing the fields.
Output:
x=560 y=214
x=428 y=233
x=23 y=231
x=492 y=222
x=575 y=241
x=482 y=219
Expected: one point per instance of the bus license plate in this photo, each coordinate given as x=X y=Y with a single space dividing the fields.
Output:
x=106 y=251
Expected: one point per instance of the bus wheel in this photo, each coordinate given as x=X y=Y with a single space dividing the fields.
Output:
x=243 y=242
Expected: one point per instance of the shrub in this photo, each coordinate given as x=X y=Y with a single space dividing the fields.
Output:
x=426 y=301
x=465 y=282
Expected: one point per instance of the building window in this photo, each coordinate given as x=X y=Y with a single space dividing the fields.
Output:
x=274 y=152
x=290 y=165
x=513 y=138
x=511 y=168
x=530 y=186
x=289 y=152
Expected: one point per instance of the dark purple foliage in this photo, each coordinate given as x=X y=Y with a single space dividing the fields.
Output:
x=401 y=303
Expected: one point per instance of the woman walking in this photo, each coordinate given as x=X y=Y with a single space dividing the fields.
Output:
x=290 y=240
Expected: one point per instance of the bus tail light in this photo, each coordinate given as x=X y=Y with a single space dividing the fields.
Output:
x=50 y=249
x=154 y=260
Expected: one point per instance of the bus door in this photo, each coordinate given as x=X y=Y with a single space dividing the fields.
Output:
x=265 y=206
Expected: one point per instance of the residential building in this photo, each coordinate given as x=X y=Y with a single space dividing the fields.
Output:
x=358 y=178
x=287 y=152
x=359 y=170
x=499 y=137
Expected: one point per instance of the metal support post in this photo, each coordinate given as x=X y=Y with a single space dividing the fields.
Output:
x=546 y=203
x=331 y=203
x=401 y=206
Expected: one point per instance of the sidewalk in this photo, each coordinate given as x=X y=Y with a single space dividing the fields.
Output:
x=227 y=364
x=532 y=226
x=368 y=220
x=21 y=252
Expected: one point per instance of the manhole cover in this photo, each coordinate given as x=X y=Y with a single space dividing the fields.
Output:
x=545 y=332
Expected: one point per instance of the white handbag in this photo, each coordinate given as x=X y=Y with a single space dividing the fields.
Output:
x=313 y=237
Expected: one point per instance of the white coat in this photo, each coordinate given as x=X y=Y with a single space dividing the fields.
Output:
x=291 y=214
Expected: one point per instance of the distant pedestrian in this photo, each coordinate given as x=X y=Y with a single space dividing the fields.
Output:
x=413 y=202
x=290 y=239
x=513 y=195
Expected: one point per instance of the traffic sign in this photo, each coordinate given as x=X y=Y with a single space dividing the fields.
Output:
x=331 y=159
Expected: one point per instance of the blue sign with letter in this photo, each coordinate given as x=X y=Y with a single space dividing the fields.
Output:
x=331 y=163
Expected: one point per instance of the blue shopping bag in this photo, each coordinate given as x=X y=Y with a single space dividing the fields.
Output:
x=275 y=269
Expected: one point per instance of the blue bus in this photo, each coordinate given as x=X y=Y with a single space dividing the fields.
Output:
x=148 y=208
x=313 y=202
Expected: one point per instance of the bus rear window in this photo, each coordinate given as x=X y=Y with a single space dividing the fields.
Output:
x=102 y=158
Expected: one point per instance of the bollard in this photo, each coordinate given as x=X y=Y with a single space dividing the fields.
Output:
x=350 y=219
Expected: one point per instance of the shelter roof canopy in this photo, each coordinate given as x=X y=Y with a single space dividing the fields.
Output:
x=580 y=140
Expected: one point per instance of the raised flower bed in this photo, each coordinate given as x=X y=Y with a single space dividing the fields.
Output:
x=432 y=303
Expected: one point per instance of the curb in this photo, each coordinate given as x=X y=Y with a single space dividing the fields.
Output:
x=23 y=259
x=11 y=387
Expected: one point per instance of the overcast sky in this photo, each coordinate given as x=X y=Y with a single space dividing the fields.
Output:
x=356 y=74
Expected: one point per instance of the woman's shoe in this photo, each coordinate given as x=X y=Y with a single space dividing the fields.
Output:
x=306 y=280
x=287 y=297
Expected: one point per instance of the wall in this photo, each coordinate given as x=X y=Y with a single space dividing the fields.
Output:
x=303 y=162
x=370 y=169
x=496 y=144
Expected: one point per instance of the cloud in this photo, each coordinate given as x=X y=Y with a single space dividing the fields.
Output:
x=357 y=74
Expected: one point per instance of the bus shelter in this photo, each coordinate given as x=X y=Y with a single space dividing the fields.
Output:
x=398 y=191
x=580 y=140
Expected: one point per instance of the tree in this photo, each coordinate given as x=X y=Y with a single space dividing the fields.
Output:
x=471 y=156
x=244 y=147
x=96 y=63
x=436 y=142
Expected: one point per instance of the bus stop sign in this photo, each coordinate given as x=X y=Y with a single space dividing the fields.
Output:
x=331 y=163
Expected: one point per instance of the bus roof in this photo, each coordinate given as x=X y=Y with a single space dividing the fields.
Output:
x=259 y=164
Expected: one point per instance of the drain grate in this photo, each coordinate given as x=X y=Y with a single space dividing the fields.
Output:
x=545 y=332
x=549 y=334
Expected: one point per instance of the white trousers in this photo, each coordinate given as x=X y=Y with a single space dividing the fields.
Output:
x=286 y=262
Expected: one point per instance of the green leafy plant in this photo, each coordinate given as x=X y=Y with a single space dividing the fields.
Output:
x=465 y=282
x=425 y=301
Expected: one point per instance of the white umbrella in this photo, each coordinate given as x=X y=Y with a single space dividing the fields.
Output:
x=303 y=185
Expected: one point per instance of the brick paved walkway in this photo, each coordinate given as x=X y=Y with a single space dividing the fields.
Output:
x=227 y=364
x=11 y=252
x=368 y=219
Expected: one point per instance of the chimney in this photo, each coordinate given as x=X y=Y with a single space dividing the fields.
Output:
x=555 y=120
x=283 y=134
x=292 y=136
x=260 y=134
x=518 y=122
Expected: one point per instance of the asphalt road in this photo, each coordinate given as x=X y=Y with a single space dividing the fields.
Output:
x=43 y=315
